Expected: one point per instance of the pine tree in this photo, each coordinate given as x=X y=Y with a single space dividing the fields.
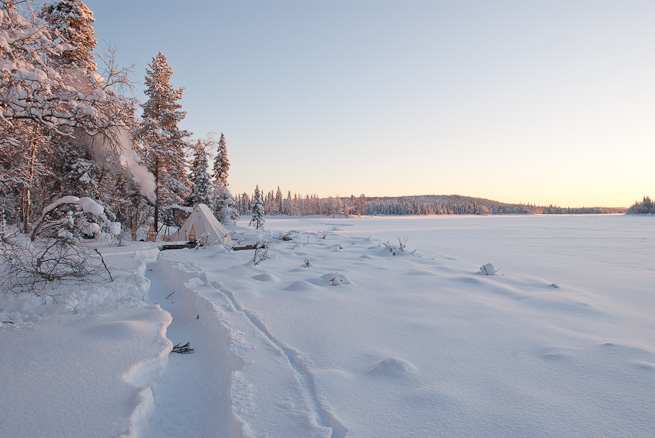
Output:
x=221 y=163
x=163 y=141
x=257 y=210
x=200 y=194
x=71 y=22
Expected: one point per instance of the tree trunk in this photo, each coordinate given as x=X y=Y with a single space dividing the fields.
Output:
x=27 y=194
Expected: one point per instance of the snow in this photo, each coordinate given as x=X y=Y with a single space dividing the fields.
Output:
x=80 y=361
x=91 y=206
x=488 y=269
x=115 y=228
x=63 y=200
x=334 y=336
x=88 y=205
x=74 y=376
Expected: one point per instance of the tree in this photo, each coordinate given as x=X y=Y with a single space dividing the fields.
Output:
x=225 y=208
x=221 y=163
x=257 y=210
x=71 y=22
x=278 y=201
x=42 y=97
x=163 y=141
x=645 y=207
x=200 y=194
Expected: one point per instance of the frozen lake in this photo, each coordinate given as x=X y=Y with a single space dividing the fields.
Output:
x=333 y=336
x=609 y=252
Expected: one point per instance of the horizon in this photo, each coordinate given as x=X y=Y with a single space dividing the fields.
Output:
x=512 y=101
x=266 y=191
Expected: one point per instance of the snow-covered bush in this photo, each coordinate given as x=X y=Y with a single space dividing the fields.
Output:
x=398 y=250
x=288 y=236
x=488 y=269
x=29 y=266
x=261 y=252
x=202 y=240
x=55 y=252
x=73 y=218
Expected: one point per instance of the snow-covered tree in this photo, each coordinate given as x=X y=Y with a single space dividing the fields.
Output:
x=645 y=207
x=257 y=210
x=42 y=98
x=71 y=22
x=279 y=207
x=77 y=172
x=225 y=207
x=36 y=88
x=163 y=141
x=200 y=193
x=221 y=163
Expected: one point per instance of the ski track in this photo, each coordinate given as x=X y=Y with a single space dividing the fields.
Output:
x=192 y=393
x=304 y=375
x=182 y=329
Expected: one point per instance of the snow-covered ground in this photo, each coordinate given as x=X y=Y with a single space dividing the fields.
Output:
x=79 y=361
x=334 y=336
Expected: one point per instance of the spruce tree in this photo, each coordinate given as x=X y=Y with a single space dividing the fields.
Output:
x=200 y=193
x=278 y=201
x=226 y=209
x=163 y=141
x=257 y=210
x=221 y=163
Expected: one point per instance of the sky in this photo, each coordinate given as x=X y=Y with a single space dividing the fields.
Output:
x=542 y=102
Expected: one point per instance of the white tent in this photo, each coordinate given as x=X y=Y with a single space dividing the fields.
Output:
x=202 y=221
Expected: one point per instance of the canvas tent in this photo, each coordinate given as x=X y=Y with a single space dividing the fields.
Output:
x=202 y=221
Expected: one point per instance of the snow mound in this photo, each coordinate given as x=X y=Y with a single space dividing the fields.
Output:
x=117 y=330
x=95 y=375
x=265 y=277
x=91 y=206
x=300 y=286
x=392 y=367
x=488 y=269
x=336 y=279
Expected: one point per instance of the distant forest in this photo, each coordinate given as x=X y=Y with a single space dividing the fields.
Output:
x=298 y=205
x=644 y=207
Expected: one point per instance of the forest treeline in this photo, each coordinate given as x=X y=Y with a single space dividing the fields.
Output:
x=275 y=203
x=644 y=207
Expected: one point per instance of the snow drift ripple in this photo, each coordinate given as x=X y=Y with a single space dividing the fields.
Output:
x=143 y=374
x=324 y=417
x=256 y=362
